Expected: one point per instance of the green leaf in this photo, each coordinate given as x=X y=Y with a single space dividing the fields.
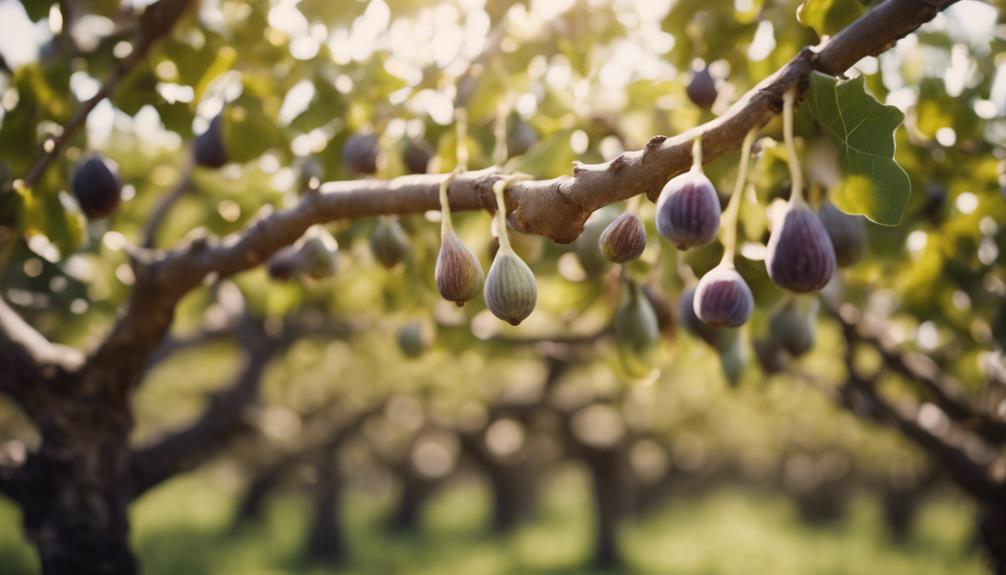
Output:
x=862 y=130
x=827 y=17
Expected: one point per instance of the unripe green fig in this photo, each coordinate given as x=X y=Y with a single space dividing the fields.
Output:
x=733 y=358
x=458 y=274
x=770 y=355
x=97 y=186
x=793 y=325
x=413 y=338
x=701 y=89
x=318 y=254
x=662 y=307
x=688 y=210
x=209 y=150
x=361 y=154
x=723 y=298
x=388 y=242
x=800 y=255
x=283 y=264
x=847 y=233
x=624 y=239
x=637 y=331
x=511 y=291
x=587 y=245
x=692 y=323
x=417 y=156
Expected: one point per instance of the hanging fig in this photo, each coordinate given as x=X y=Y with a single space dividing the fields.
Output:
x=770 y=355
x=662 y=307
x=637 y=331
x=847 y=233
x=458 y=273
x=688 y=210
x=312 y=173
x=692 y=323
x=97 y=186
x=701 y=89
x=511 y=291
x=733 y=358
x=318 y=254
x=388 y=242
x=793 y=325
x=520 y=136
x=624 y=239
x=361 y=154
x=587 y=244
x=800 y=255
x=723 y=298
x=209 y=150
x=283 y=264
x=417 y=156
x=413 y=338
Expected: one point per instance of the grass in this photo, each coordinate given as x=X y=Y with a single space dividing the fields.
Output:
x=183 y=528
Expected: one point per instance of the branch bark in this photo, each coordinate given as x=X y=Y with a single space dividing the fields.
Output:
x=27 y=358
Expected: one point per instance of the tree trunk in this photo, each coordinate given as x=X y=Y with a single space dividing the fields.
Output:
x=606 y=483
x=253 y=499
x=992 y=534
x=74 y=499
x=326 y=541
x=512 y=493
x=414 y=492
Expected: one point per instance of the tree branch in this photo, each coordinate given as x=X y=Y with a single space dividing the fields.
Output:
x=27 y=357
x=166 y=202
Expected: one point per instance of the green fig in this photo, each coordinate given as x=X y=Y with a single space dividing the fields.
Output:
x=587 y=245
x=511 y=291
x=733 y=358
x=793 y=325
x=770 y=355
x=637 y=331
x=318 y=254
x=413 y=338
x=458 y=273
x=389 y=242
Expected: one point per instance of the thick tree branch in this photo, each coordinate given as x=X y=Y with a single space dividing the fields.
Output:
x=555 y=208
x=27 y=358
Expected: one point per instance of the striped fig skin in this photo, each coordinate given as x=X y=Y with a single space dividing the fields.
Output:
x=847 y=233
x=800 y=255
x=688 y=211
x=624 y=239
x=458 y=273
x=511 y=291
x=691 y=322
x=723 y=298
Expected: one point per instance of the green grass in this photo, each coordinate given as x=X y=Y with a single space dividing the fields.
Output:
x=183 y=528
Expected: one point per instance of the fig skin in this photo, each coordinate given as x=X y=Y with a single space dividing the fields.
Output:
x=587 y=244
x=413 y=339
x=624 y=239
x=688 y=211
x=417 y=156
x=360 y=154
x=510 y=291
x=389 y=243
x=458 y=273
x=801 y=257
x=792 y=326
x=637 y=331
x=733 y=358
x=723 y=298
x=318 y=255
x=692 y=323
x=520 y=136
x=701 y=89
x=283 y=264
x=771 y=357
x=209 y=150
x=847 y=233
x=97 y=186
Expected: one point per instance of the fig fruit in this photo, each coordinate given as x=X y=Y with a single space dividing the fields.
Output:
x=520 y=136
x=792 y=326
x=723 y=298
x=318 y=254
x=688 y=210
x=312 y=174
x=662 y=307
x=209 y=150
x=413 y=338
x=637 y=331
x=624 y=239
x=458 y=274
x=388 y=242
x=283 y=264
x=417 y=156
x=733 y=358
x=361 y=153
x=701 y=89
x=692 y=323
x=587 y=244
x=511 y=291
x=97 y=186
x=800 y=255
x=770 y=355
x=847 y=233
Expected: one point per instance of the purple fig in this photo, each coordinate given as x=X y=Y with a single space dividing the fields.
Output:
x=688 y=211
x=800 y=255
x=723 y=298
x=847 y=233
x=587 y=245
x=360 y=153
x=209 y=150
x=283 y=264
x=701 y=89
x=388 y=242
x=97 y=186
x=624 y=239
x=458 y=273
x=692 y=323
x=417 y=156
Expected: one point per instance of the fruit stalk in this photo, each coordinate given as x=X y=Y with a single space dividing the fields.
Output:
x=734 y=206
x=697 y=153
x=795 y=174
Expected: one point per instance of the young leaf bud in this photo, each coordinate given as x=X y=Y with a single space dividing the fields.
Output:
x=847 y=233
x=624 y=239
x=97 y=186
x=800 y=255
x=723 y=298
x=209 y=150
x=688 y=211
x=458 y=273
x=388 y=242
x=511 y=291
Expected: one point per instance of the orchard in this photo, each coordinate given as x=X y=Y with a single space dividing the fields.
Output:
x=479 y=286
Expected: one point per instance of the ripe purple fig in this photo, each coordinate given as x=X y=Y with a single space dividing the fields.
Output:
x=692 y=323
x=97 y=186
x=360 y=153
x=389 y=242
x=458 y=273
x=688 y=211
x=701 y=89
x=800 y=255
x=209 y=150
x=511 y=291
x=723 y=298
x=847 y=233
x=587 y=244
x=624 y=239
x=417 y=156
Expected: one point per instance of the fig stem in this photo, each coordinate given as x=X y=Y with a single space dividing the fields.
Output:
x=633 y=205
x=697 y=153
x=499 y=188
x=461 y=134
x=446 y=226
x=795 y=174
x=734 y=206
